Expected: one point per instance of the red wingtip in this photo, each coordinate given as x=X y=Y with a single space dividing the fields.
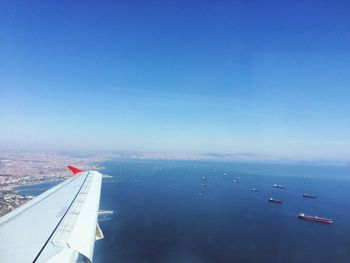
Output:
x=74 y=170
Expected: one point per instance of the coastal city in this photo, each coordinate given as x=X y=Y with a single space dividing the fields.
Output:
x=30 y=168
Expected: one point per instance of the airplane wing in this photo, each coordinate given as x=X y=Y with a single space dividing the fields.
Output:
x=57 y=226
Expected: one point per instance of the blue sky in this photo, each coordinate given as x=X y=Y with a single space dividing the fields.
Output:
x=269 y=77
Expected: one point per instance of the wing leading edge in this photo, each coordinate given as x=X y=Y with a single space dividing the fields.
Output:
x=57 y=226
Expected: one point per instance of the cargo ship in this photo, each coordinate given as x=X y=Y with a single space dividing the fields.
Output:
x=275 y=200
x=309 y=196
x=316 y=219
x=279 y=186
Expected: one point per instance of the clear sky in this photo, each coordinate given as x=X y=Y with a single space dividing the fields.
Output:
x=268 y=77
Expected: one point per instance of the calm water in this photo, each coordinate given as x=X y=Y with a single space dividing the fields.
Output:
x=163 y=214
x=36 y=189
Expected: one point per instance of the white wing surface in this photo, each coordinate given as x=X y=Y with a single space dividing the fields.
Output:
x=57 y=226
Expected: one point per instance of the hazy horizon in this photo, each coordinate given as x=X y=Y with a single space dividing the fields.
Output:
x=239 y=157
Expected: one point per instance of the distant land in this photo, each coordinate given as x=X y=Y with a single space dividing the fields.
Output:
x=18 y=168
x=32 y=167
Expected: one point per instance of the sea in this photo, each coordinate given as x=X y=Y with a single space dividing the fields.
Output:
x=201 y=211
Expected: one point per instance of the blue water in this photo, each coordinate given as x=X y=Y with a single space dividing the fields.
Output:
x=36 y=189
x=160 y=216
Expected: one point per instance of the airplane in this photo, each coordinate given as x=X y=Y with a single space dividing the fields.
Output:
x=60 y=225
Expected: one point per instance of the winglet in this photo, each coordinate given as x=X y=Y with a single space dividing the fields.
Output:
x=74 y=170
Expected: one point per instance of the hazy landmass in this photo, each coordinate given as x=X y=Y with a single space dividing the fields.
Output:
x=18 y=168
